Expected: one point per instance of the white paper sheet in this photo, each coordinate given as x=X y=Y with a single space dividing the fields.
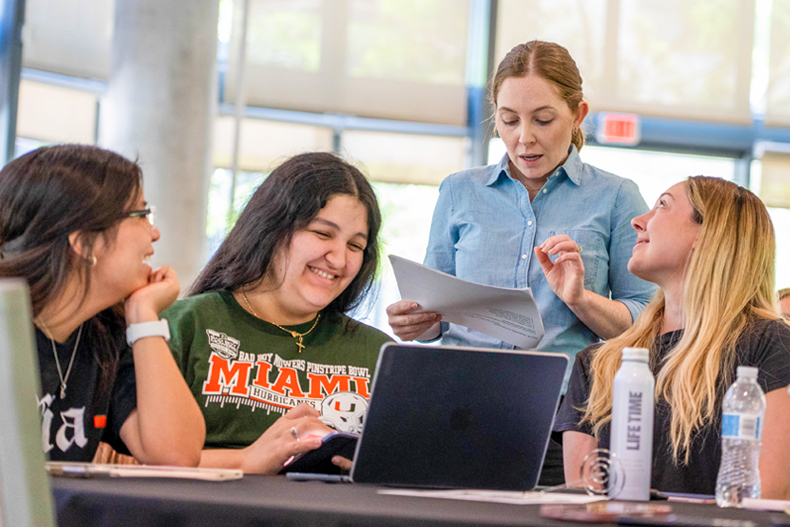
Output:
x=498 y=496
x=509 y=315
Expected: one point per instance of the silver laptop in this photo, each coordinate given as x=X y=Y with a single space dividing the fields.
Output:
x=454 y=417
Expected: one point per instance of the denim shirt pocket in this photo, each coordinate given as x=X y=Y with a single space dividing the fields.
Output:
x=594 y=257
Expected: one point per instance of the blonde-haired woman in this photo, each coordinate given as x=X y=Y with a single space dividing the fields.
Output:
x=709 y=245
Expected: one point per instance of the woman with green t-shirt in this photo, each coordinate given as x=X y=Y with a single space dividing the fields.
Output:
x=264 y=341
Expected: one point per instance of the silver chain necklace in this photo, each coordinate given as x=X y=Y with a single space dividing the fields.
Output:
x=63 y=379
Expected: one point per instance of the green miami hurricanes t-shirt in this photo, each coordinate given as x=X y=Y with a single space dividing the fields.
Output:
x=245 y=373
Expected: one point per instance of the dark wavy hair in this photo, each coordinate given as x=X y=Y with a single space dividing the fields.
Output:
x=51 y=192
x=45 y=196
x=287 y=201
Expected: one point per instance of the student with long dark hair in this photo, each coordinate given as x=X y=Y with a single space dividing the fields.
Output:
x=75 y=225
x=264 y=342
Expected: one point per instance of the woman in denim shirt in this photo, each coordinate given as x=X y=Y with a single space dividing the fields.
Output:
x=540 y=218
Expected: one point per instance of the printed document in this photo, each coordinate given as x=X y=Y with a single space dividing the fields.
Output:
x=509 y=315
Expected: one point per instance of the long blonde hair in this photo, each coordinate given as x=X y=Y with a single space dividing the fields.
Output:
x=729 y=281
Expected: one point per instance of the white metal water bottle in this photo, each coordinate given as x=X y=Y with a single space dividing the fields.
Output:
x=632 y=427
x=743 y=411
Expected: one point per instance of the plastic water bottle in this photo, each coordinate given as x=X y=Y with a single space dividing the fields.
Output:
x=743 y=411
x=632 y=427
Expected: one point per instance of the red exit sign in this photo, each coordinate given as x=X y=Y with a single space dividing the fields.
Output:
x=618 y=128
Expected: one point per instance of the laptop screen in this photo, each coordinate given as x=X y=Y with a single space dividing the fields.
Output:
x=452 y=417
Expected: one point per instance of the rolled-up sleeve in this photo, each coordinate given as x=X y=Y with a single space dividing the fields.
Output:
x=634 y=292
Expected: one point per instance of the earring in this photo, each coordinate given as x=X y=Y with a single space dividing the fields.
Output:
x=94 y=261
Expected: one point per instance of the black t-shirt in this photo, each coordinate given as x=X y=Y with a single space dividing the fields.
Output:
x=765 y=344
x=72 y=428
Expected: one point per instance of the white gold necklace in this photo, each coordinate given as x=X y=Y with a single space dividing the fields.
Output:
x=63 y=379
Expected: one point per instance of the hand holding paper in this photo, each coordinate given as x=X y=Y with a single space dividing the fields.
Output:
x=410 y=322
x=510 y=315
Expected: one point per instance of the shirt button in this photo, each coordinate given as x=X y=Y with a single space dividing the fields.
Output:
x=523 y=256
x=529 y=223
x=545 y=190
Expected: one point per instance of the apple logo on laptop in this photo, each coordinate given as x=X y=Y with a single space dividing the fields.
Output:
x=463 y=419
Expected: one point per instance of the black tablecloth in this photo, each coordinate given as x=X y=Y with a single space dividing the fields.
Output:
x=275 y=501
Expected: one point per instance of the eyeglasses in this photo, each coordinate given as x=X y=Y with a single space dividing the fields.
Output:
x=149 y=214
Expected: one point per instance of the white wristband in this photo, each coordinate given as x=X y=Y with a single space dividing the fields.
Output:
x=147 y=329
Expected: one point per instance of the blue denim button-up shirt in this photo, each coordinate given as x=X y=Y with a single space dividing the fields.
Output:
x=485 y=227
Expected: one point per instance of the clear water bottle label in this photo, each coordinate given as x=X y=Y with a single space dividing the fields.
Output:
x=741 y=426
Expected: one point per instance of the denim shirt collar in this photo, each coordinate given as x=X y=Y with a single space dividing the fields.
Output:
x=571 y=168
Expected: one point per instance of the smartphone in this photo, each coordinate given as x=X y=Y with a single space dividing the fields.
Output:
x=319 y=461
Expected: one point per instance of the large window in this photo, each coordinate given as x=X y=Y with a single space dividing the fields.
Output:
x=655 y=172
x=405 y=158
x=406 y=212
x=771 y=181
x=778 y=89
x=262 y=146
x=395 y=62
x=678 y=58
x=391 y=59
x=71 y=38
x=781 y=221
x=54 y=114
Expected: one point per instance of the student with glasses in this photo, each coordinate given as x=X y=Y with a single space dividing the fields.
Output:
x=75 y=225
x=148 y=213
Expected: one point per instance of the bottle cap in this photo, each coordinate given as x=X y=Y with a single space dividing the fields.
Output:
x=747 y=372
x=636 y=354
